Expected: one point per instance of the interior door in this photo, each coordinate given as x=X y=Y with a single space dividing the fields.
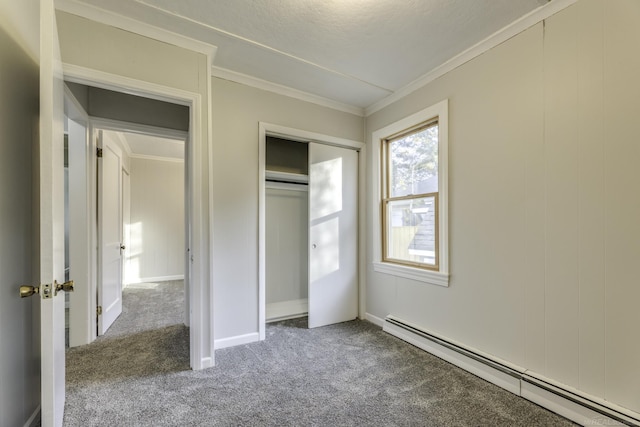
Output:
x=51 y=193
x=110 y=245
x=126 y=224
x=333 y=234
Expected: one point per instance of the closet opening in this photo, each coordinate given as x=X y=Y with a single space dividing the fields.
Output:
x=308 y=227
x=286 y=210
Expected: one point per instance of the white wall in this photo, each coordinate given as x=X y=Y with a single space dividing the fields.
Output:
x=157 y=250
x=19 y=111
x=544 y=206
x=286 y=240
x=237 y=110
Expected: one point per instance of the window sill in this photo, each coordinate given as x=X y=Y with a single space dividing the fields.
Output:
x=426 y=276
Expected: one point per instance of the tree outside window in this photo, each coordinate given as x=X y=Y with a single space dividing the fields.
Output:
x=410 y=205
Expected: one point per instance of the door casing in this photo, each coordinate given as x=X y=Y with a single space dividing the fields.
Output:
x=198 y=241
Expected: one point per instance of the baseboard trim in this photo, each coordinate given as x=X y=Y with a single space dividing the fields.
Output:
x=489 y=370
x=288 y=317
x=155 y=279
x=34 y=419
x=237 y=340
x=374 y=319
x=287 y=309
x=584 y=410
x=576 y=406
x=206 y=362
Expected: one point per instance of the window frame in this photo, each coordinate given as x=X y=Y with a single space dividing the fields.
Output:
x=386 y=197
x=438 y=274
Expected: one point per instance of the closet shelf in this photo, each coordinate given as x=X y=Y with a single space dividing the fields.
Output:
x=271 y=175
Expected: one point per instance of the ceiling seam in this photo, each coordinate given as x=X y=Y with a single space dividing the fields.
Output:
x=263 y=46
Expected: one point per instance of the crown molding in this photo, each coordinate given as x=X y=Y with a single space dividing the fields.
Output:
x=497 y=38
x=255 y=82
x=128 y=24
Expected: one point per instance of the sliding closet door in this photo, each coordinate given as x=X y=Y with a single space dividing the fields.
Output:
x=333 y=225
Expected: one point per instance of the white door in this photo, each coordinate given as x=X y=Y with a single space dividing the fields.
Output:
x=333 y=234
x=51 y=219
x=110 y=245
x=126 y=224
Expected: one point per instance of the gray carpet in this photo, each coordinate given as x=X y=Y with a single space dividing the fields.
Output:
x=351 y=374
x=149 y=306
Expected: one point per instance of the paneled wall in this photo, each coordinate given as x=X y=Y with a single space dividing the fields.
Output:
x=157 y=250
x=544 y=203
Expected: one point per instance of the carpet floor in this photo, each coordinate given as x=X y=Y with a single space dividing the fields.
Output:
x=350 y=374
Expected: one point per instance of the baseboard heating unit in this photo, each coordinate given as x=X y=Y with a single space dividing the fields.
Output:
x=572 y=404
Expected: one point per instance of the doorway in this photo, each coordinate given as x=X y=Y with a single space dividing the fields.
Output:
x=287 y=228
x=145 y=242
x=146 y=155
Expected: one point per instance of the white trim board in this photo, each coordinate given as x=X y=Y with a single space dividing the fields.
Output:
x=374 y=319
x=90 y=77
x=237 y=340
x=73 y=109
x=137 y=128
x=97 y=14
x=282 y=310
x=234 y=76
x=570 y=403
x=286 y=176
x=156 y=279
x=157 y=158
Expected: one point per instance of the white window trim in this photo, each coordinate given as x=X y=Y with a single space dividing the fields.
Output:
x=441 y=277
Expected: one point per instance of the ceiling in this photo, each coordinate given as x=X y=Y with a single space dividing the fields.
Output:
x=152 y=147
x=352 y=52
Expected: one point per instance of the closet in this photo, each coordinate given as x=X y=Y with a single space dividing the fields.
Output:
x=311 y=231
x=286 y=214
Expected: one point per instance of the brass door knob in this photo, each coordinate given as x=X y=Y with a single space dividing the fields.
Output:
x=27 y=290
x=66 y=286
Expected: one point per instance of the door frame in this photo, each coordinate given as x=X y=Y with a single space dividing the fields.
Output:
x=81 y=262
x=269 y=129
x=196 y=239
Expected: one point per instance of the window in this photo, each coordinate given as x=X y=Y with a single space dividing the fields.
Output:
x=410 y=197
x=411 y=235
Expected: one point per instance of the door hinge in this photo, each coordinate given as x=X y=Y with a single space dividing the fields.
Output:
x=99 y=310
x=99 y=152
